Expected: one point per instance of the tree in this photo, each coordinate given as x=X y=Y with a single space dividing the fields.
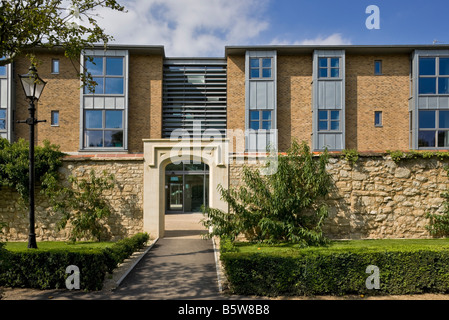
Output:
x=84 y=206
x=27 y=24
x=281 y=207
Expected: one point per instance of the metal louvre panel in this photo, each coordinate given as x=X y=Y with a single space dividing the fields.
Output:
x=194 y=93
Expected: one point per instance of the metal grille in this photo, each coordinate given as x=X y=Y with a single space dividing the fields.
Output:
x=194 y=95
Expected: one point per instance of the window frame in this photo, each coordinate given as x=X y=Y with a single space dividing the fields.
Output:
x=4 y=119
x=103 y=129
x=378 y=122
x=260 y=121
x=376 y=64
x=261 y=68
x=52 y=123
x=53 y=71
x=329 y=67
x=436 y=129
x=329 y=121
x=104 y=76
x=437 y=76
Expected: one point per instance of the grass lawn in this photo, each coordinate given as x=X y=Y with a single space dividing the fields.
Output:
x=49 y=245
x=344 y=245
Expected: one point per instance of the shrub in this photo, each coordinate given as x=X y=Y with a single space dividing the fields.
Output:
x=283 y=206
x=402 y=271
x=45 y=269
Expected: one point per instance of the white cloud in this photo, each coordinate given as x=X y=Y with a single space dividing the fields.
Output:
x=333 y=39
x=186 y=27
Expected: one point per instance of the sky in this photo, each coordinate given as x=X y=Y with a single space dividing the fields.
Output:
x=202 y=28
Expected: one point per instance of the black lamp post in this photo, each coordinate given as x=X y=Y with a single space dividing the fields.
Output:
x=32 y=86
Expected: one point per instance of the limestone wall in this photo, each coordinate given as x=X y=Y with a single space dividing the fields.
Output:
x=377 y=198
x=125 y=199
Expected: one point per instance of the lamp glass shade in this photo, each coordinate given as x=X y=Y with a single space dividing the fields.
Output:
x=32 y=84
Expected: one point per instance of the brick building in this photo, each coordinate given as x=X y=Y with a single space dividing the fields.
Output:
x=145 y=105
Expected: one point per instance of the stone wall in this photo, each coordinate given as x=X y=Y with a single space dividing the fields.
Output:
x=125 y=199
x=377 y=198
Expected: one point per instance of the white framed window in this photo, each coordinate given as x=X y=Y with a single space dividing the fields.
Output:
x=260 y=119
x=2 y=119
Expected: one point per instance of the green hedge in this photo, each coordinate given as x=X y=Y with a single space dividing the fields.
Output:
x=45 y=269
x=404 y=271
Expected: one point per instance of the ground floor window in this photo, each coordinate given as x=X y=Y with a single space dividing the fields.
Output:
x=433 y=129
x=186 y=187
x=103 y=128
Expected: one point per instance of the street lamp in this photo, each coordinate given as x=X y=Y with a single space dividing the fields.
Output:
x=32 y=86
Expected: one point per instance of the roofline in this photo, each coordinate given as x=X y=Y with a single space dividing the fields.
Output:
x=356 y=49
x=136 y=49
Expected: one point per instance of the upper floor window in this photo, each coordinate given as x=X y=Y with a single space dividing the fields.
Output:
x=378 y=67
x=434 y=75
x=2 y=119
x=329 y=67
x=108 y=74
x=261 y=68
x=433 y=128
x=55 y=66
x=260 y=120
x=329 y=120
x=2 y=71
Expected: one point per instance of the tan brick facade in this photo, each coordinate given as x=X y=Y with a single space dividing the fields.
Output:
x=367 y=93
x=62 y=93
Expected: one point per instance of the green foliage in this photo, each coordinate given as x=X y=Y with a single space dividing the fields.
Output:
x=14 y=166
x=439 y=223
x=398 y=155
x=84 y=205
x=337 y=272
x=279 y=207
x=350 y=155
x=48 y=24
x=45 y=269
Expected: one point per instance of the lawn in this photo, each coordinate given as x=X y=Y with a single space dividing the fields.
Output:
x=50 y=245
x=345 y=245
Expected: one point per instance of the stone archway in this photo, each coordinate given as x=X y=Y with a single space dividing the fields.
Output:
x=158 y=154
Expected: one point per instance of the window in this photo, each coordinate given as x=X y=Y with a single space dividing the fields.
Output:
x=433 y=129
x=434 y=75
x=260 y=68
x=260 y=120
x=2 y=119
x=55 y=118
x=378 y=118
x=103 y=128
x=108 y=74
x=2 y=71
x=329 y=67
x=55 y=66
x=378 y=67
x=329 y=120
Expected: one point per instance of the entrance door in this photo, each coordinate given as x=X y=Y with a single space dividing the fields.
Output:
x=187 y=187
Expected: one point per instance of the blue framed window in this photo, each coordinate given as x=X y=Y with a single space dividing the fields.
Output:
x=378 y=118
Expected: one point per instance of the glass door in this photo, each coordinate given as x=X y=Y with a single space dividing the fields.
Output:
x=174 y=193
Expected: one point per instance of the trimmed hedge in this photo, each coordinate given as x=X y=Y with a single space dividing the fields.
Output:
x=402 y=271
x=45 y=269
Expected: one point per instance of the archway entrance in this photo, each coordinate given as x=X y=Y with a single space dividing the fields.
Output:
x=186 y=187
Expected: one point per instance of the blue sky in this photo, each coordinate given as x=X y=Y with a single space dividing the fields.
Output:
x=204 y=27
